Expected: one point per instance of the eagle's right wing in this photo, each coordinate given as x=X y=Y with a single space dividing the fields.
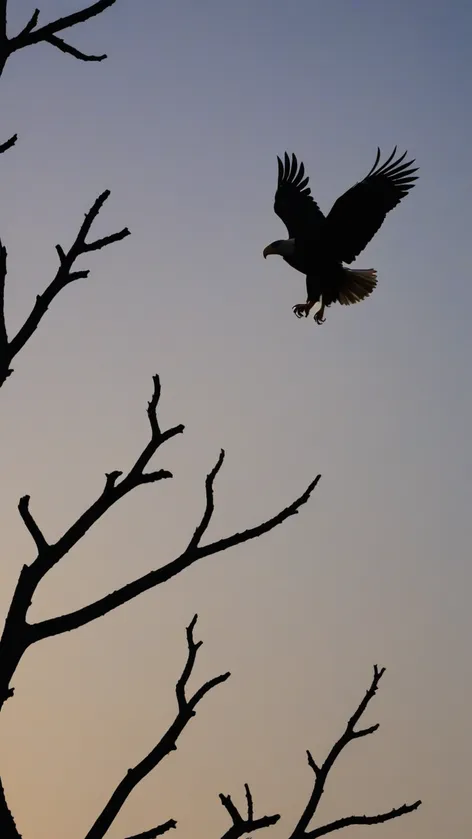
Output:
x=293 y=200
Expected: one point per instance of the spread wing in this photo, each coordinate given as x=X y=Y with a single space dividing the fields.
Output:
x=357 y=215
x=293 y=200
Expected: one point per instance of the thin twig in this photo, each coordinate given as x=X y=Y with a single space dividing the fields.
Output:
x=321 y=774
x=241 y=825
x=352 y=820
x=32 y=527
x=210 y=503
x=64 y=275
x=70 y=50
x=167 y=743
x=155 y=831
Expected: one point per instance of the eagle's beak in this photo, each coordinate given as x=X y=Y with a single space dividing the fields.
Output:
x=267 y=251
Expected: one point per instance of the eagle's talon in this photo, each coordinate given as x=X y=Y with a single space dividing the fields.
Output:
x=299 y=310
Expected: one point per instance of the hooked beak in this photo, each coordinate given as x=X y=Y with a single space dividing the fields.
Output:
x=267 y=251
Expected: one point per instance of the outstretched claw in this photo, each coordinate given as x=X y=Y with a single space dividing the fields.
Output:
x=319 y=315
x=300 y=310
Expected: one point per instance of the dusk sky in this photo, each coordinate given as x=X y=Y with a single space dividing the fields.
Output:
x=183 y=123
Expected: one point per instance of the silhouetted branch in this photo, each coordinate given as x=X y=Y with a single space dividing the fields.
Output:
x=8 y=143
x=3 y=276
x=210 y=503
x=321 y=774
x=155 y=831
x=351 y=820
x=64 y=277
x=244 y=824
x=31 y=35
x=32 y=527
x=167 y=743
x=193 y=553
x=19 y=634
x=70 y=50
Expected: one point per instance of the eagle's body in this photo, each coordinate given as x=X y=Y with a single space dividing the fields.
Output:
x=319 y=245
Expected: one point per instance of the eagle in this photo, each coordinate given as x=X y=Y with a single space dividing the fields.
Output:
x=318 y=245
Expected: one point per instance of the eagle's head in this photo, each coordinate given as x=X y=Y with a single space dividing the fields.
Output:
x=281 y=247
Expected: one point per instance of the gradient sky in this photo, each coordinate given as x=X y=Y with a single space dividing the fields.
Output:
x=183 y=123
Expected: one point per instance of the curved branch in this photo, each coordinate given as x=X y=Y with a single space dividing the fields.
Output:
x=167 y=743
x=155 y=831
x=192 y=554
x=352 y=820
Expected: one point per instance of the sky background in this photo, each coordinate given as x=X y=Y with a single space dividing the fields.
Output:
x=183 y=123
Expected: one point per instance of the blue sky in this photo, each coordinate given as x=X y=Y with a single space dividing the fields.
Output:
x=183 y=123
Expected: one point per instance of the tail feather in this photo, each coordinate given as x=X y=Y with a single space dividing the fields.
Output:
x=357 y=285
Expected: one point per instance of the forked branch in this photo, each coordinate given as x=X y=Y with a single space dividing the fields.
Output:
x=18 y=634
x=64 y=276
x=321 y=772
x=32 y=34
x=241 y=825
x=168 y=743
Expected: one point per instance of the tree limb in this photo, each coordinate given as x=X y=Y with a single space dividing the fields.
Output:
x=244 y=824
x=31 y=35
x=352 y=820
x=3 y=328
x=70 y=50
x=321 y=773
x=192 y=554
x=8 y=143
x=155 y=831
x=64 y=276
x=30 y=524
x=167 y=743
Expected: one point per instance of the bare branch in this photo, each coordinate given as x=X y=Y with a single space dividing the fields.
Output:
x=352 y=820
x=101 y=607
x=249 y=802
x=32 y=527
x=3 y=328
x=210 y=503
x=8 y=143
x=312 y=764
x=18 y=634
x=64 y=275
x=243 y=825
x=322 y=772
x=167 y=744
x=187 y=671
x=30 y=35
x=32 y=23
x=70 y=50
x=155 y=831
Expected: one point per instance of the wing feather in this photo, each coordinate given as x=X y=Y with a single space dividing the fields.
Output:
x=356 y=216
x=293 y=202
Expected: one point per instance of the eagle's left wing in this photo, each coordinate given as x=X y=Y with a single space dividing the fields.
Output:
x=356 y=216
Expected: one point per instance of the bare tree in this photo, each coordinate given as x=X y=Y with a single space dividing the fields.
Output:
x=19 y=633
